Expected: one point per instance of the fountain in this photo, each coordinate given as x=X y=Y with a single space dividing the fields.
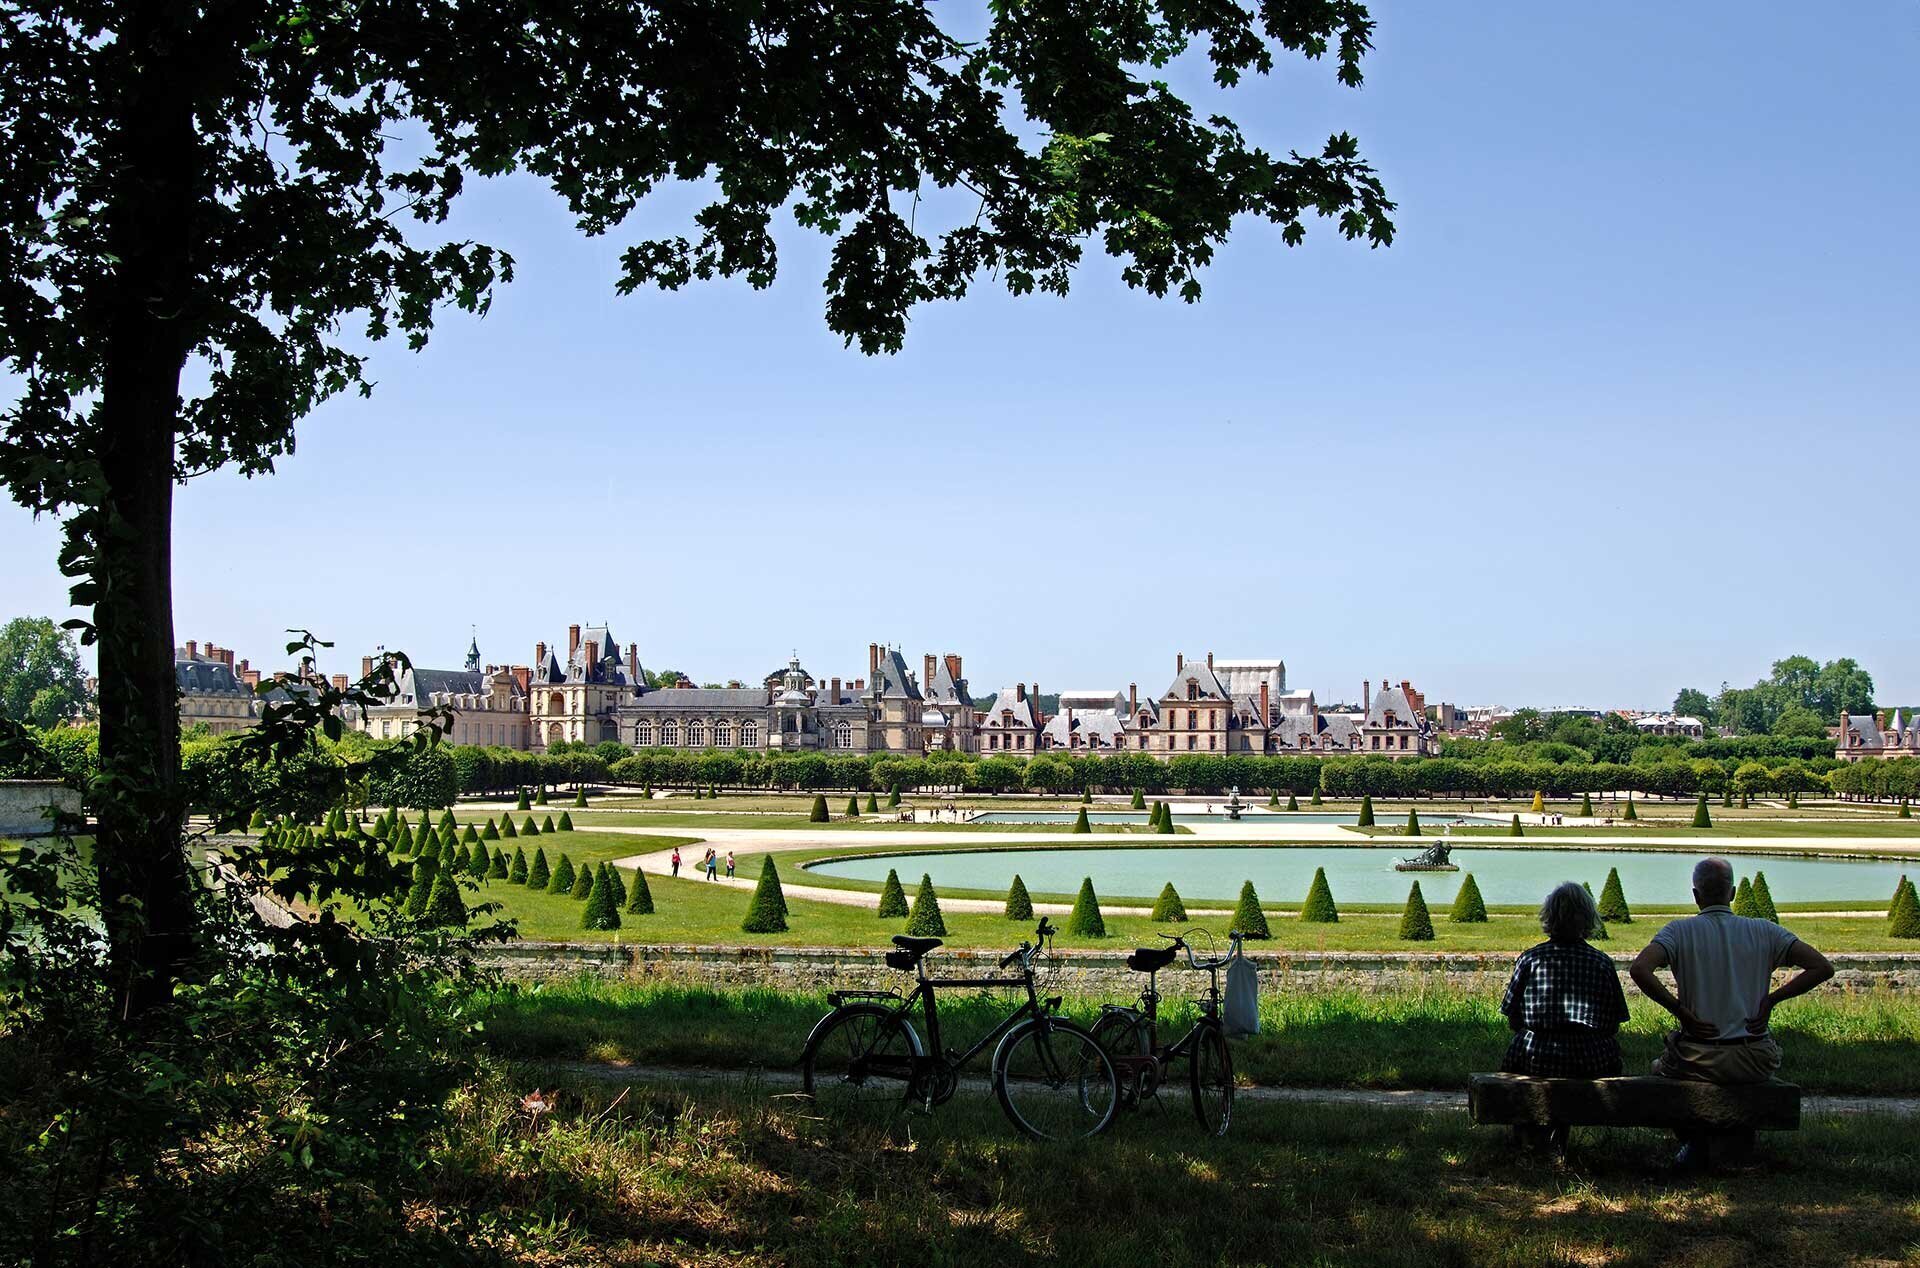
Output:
x=1234 y=804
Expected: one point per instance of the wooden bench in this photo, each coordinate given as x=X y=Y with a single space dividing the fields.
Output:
x=1723 y=1117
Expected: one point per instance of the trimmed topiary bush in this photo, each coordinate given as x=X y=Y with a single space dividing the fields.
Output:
x=529 y=828
x=517 y=872
x=541 y=800
x=507 y=829
x=521 y=802
x=1166 y=820
x=873 y=807
x=1168 y=909
x=497 y=865
x=1599 y=931
x=406 y=839
x=1139 y=801
x=468 y=836
x=893 y=797
x=1019 y=902
x=538 y=875
x=1586 y=805
x=582 y=882
x=1905 y=811
x=580 y=798
x=767 y=912
x=1413 y=822
x=1903 y=914
x=639 y=897
x=1319 y=908
x=853 y=807
x=614 y=883
x=1515 y=830
x=546 y=825
x=1080 y=825
x=924 y=920
x=1316 y=798
x=893 y=899
x=1468 y=907
x=424 y=869
x=1085 y=921
x=1273 y=799
x=1763 y=899
x=1726 y=800
x=1416 y=924
x=1247 y=916
x=1631 y=813
x=1613 y=900
x=490 y=832
x=444 y=908
x=819 y=812
x=1366 y=812
x=566 y=822
x=1743 y=904
x=562 y=882
x=1293 y=802
x=1539 y=803
x=1701 y=819
x=602 y=911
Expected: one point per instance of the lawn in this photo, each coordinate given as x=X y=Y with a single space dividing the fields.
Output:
x=691 y=818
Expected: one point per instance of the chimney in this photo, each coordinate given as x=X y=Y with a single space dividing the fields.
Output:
x=573 y=642
x=523 y=674
x=1266 y=718
x=1020 y=691
x=926 y=683
x=953 y=666
x=1035 y=693
x=339 y=682
x=193 y=649
x=229 y=652
x=873 y=661
x=835 y=698
x=539 y=653
x=593 y=657
x=1366 y=694
x=1179 y=661
x=1133 y=697
x=859 y=684
x=633 y=663
x=366 y=666
x=1209 y=660
x=249 y=676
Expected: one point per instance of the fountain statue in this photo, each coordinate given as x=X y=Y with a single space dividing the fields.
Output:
x=1234 y=804
x=1432 y=859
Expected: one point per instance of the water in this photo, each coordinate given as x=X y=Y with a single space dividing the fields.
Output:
x=1266 y=818
x=1366 y=875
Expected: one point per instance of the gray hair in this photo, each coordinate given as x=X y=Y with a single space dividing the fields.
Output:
x=1713 y=879
x=1568 y=914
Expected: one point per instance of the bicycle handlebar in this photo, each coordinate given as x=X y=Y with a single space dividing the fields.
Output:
x=1013 y=955
x=1026 y=950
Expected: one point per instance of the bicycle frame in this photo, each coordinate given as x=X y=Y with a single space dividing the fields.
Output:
x=1156 y=1060
x=934 y=1052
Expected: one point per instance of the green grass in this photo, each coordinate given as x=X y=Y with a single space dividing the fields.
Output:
x=791 y=822
x=747 y=1176
x=1430 y=1036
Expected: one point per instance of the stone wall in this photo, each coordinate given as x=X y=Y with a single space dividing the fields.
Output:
x=1072 y=972
x=24 y=802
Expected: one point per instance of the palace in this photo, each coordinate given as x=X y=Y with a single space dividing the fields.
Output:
x=214 y=692
x=487 y=706
x=1864 y=735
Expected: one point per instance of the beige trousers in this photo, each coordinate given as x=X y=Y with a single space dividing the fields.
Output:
x=1686 y=1058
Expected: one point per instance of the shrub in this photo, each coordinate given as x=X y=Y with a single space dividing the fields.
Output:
x=1599 y=931
x=1726 y=800
x=1468 y=907
x=602 y=912
x=1905 y=811
x=853 y=807
x=469 y=836
x=507 y=829
x=521 y=803
x=566 y=822
x=497 y=865
x=541 y=800
x=767 y=912
x=424 y=869
x=1139 y=802
x=447 y=822
x=819 y=812
x=405 y=839
x=1743 y=904
x=1903 y=916
x=1416 y=925
x=580 y=798
x=1273 y=799
x=873 y=807
x=1247 y=916
x=1515 y=830
x=1631 y=813
x=1613 y=899
x=1019 y=903
x=1168 y=909
x=1366 y=812
x=1319 y=908
x=893 y=899
x=546 y=824
x=582 y=882
x=538 y=877
x=1315 y=799
x=1293 y=802
x=1701 y=819
x=1586 y=805
x=478 y=860
x=1085 y=921
x=1086 y=796
x=1080 y=825
x=1413 y=822
x=1166 y=820
x=529 y=828
x=562 y=882
x=1763 y=899
x=1793 y=801
x=639 y=897
x=444 y=908
x=924 y=920
x=517 y=873
x=1539 y=802
x=490 y=832
x=893 y=797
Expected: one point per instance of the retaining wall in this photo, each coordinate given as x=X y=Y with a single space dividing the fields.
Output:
x=24 y=802
x=1076 y=972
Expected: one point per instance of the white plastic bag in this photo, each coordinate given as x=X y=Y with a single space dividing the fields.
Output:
x=1240 y=1011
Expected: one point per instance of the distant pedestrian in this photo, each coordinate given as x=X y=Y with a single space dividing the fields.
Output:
x=676 y=860
x=729 y=864
x=713 y=865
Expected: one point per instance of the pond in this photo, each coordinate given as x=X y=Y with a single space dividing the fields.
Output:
x=1278 y=820
x=1281 y=874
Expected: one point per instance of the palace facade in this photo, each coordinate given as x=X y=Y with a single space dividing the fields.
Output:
x=1864 y=735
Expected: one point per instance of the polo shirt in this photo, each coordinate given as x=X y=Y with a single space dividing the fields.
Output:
x=1724 y=964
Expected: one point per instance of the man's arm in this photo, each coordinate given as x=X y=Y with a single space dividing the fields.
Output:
x=1644 y=975
x=1814 y=969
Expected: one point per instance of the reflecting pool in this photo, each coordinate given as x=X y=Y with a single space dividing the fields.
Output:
x=1278 y=820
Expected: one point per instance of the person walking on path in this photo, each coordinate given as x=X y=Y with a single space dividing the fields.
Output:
x=713 y=865
x=676 y=860
x=729 y=864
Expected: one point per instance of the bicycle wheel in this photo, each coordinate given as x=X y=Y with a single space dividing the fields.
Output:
x=1054 y=1080
x=1123 y=1034
x=1211 y=1068
x=859 y=1059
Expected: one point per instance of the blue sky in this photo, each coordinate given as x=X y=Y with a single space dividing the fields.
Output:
x=1629 y=406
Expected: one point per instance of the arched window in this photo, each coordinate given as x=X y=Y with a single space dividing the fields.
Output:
x=555 y=704
x=670 y=733
x=723 y=735
x=643 y=735
x=696 y=734
x=749 y=735
x=843 y=736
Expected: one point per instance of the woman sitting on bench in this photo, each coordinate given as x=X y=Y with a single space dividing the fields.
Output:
x=1564 y=1000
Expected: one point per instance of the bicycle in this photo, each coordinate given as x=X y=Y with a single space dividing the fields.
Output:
x=1052 y=1077
x=1131 y=1037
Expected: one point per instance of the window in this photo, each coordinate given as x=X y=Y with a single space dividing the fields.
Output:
x=643 y=734
x=749 y=735
x=1143 y=742
x=1211 y=739
x=670 y=733
x=842 y=735
x=386 y=729
x=1190 y=740
x=696 y=735
x=723 y=734
x=1193 y=719
x=1193 y=689
x=1019 y=741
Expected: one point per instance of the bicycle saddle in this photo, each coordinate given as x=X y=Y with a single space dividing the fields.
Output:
x=1148 y=959
x=918 y=946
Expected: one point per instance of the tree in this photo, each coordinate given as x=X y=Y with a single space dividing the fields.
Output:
x=1019 y=902
x=924 y=920
x=1468 y=907
x=1413 y=822
x=893 y=899
x=1416 y=924
x=1248 y=918
x=1763 y=899
x=42 y=682
x=1168 y=909
x=1319 y=908
x=1613 y=900
x=767 y=910
x=1693 y=703
x=819 y=812
x=1366 y=812
x=1085 y=921
x=1080 y=825
x=1798 y=720
x=640 y=897
x=602 y=910
x=562 y=881
x=1702 y=819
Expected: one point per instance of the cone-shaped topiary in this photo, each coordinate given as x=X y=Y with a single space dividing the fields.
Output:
x=1743 y=801
x=426 y=825
x=1599 y=931
x=1586 y=805
x=893 y=797
x=1905 y=811
x=1366 y=812
x=447 y=822
x=1763 y=899
x=490 y=832
x=468 y=836
x=1413 y=822
x=1319 y=908
x=528 y=828
x=1416 y=925
x=1139 y=801
x=1019 y=903
x=873 y=806
x=424 y=869
x=1168 y=909
x=853 y=807
x=566 y=822
x=1080 y=825
x=480 y=862
x=893 y=899
x=1514 y=830
x=562 y=882
x=406 y=839
x=1086 y=796
x=1085 y=921
x=1166 y=820
x=1701 y=819
x=1613 y=900
x=1247 y=916
x=451 y=860
x=1631 y=813
x=538 y=876
x=1539 y=802
x=1743 y=904
x=819 y=812
x=924 y=920
x=580 y=798
x=601 y=912
x=1315 y=799
x=546 y=825
x=497 y=865
x=767 y=912
x=541 y=800
x=1793 y=801
x=639 y=897
x=521 y=802
x=1903 y=914
x=1273 y=799
x=1468 y=907
x=1726 y=800
x=614 y=883
x=444 y=908
x=507 y=829
x=1293 y=802
x=517 y=873
x=582 y=882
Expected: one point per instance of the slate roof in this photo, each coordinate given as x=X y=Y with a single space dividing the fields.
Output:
x=945 y=687
x=893 y=680
x=702 y=698
x=198 y=676
x=1867 y=727
x=1394 y=700
x=1006 y=701
x=419 y=686
x=1097 y=728
x=1195 y=667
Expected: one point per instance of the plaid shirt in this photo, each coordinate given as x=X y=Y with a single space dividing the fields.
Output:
x=1565 y=1003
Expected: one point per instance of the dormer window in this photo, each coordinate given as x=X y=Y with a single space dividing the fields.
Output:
x=1193 y=688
